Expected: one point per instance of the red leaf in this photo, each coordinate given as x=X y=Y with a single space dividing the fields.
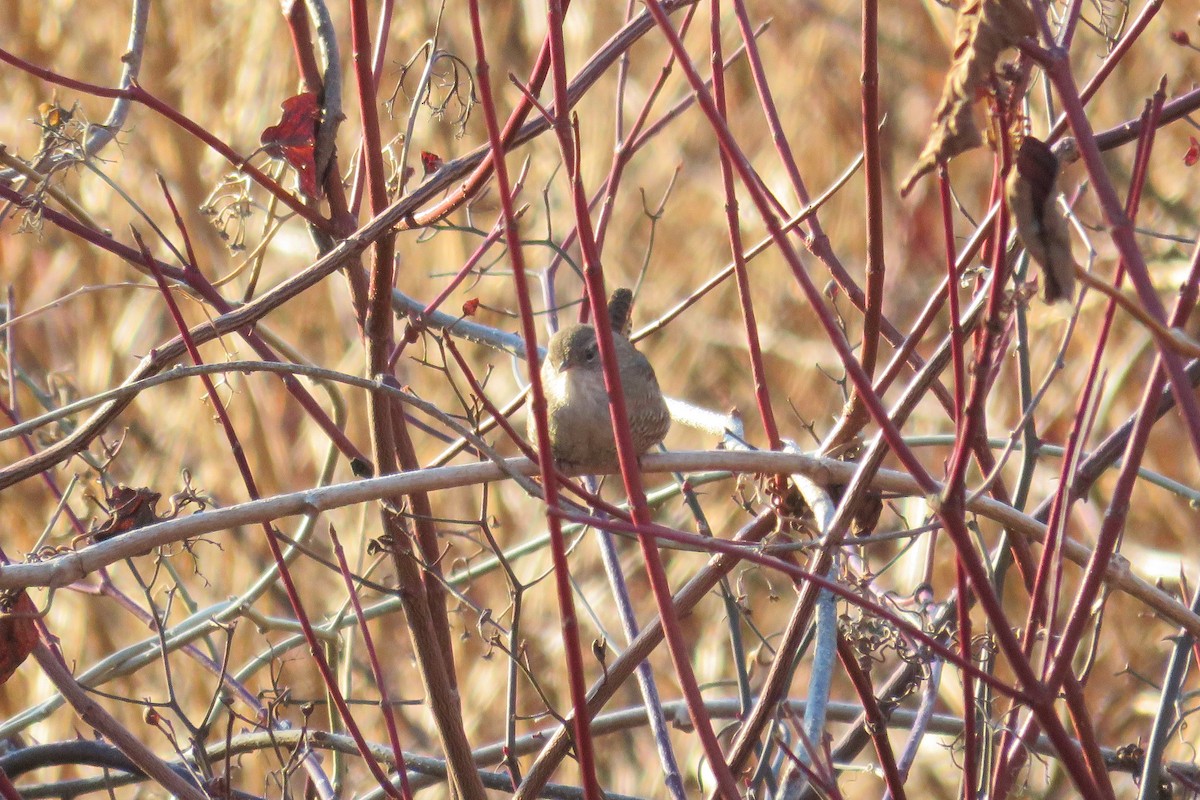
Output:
x=432 y=162
x=1180 y=37
x=294 y=139
x=18 y=635
x=1193 y=152
x=471 y=306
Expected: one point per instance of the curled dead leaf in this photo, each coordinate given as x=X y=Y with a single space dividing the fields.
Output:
x=18 y=634
x=294 y=139
x=984 y=28
x=1032 y=192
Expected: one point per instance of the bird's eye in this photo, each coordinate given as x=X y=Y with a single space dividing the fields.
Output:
x=591 y=355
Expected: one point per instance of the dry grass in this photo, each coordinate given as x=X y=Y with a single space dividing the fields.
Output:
x=228 y=65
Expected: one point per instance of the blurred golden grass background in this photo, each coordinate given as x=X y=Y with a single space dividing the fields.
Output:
x=228 y=65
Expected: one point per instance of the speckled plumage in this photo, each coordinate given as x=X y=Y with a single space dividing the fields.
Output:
x=577 y=399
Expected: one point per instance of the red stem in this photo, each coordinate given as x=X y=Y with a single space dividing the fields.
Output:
x=1139 y=24
x=584 y=747
x=247 y=475
x=422 y=592
x=296 y=13
x=1118 y=508
x=758 y=371
x=972 y=424
x=631 y=143
x=385 y=697
x=1012 y=754
x=381 y=40
x=955 y=523
x=627 y=456
x=876 y=719
x=957 y=359
x=873 y=174
x=7 y=790
x=1058 y=69
x=800 y=577
x=454 y=282
x=201 y=334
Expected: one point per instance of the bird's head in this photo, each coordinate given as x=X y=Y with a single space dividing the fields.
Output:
x=574 y=347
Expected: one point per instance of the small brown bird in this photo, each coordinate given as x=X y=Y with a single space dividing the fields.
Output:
x=577 y=399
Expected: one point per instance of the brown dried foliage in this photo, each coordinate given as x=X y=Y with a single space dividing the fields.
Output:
x=1032 y=190
x=983 y=30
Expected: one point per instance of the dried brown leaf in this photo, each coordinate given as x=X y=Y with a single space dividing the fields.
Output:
x=18 y=633
x=1032 y=191
x=983 y=30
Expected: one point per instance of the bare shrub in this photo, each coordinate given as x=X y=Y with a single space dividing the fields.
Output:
x=270 y=523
